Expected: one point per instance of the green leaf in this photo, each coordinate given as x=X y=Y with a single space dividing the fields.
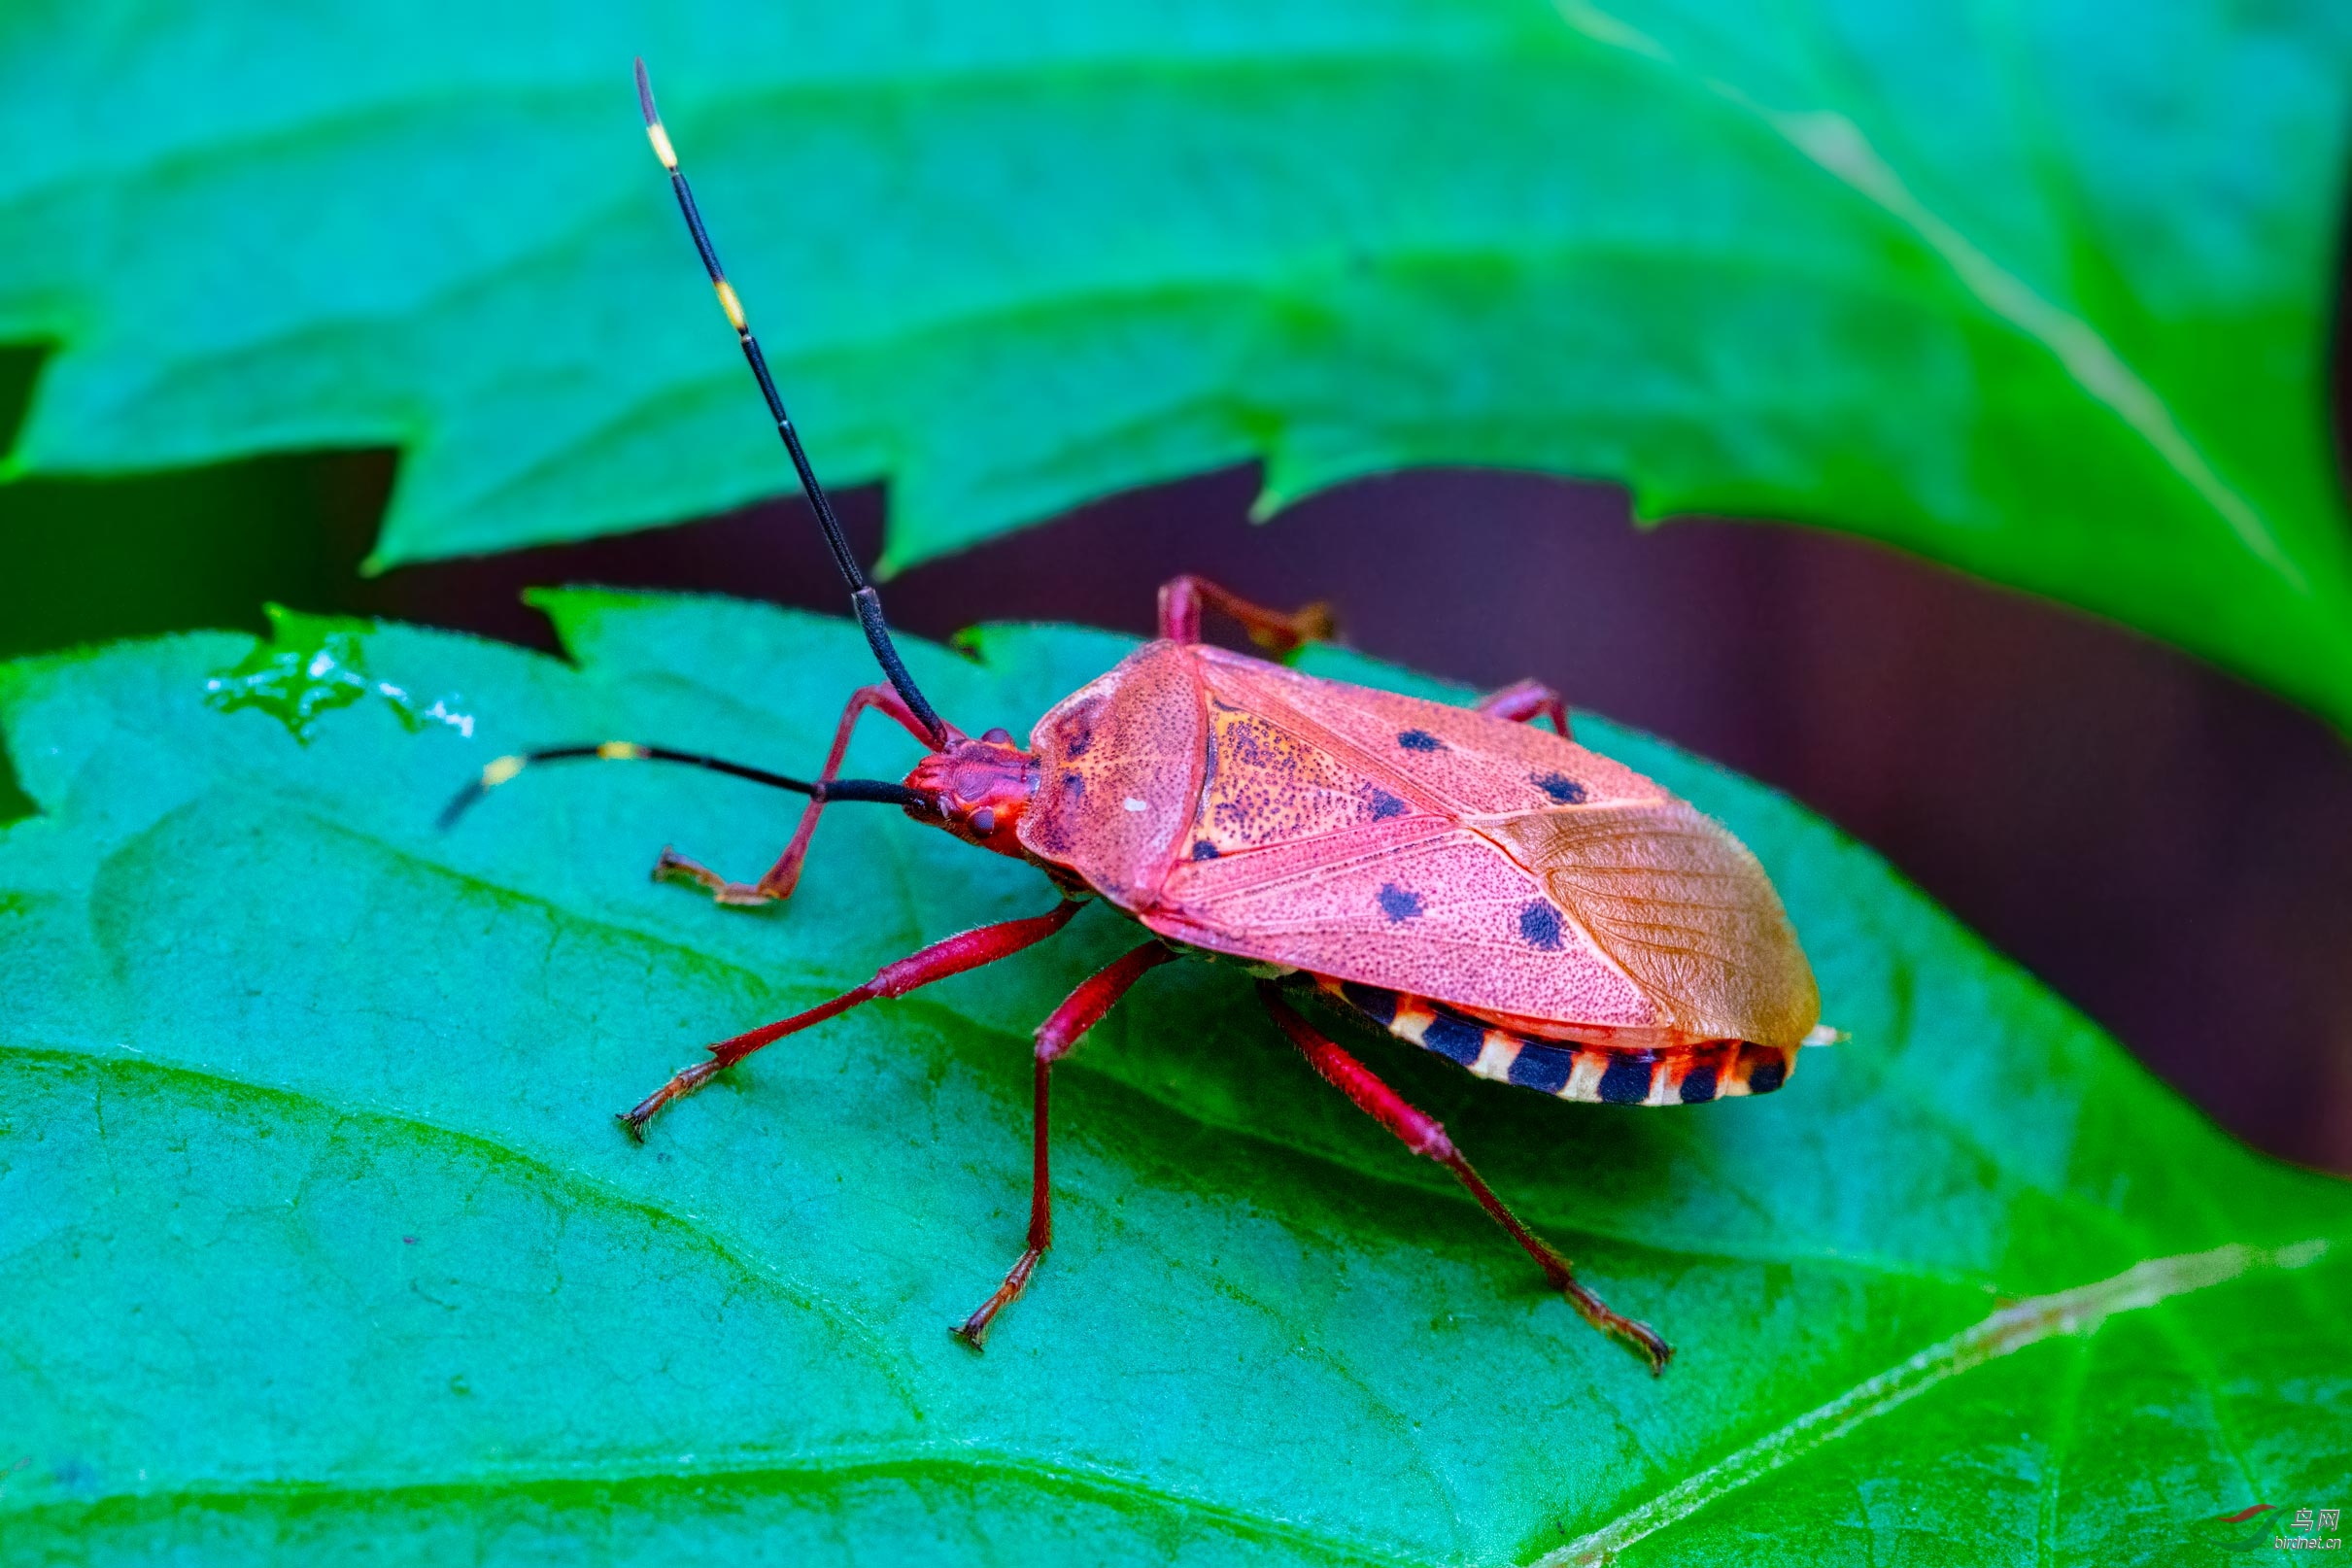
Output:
x=321 y=1240
x=2038 y=290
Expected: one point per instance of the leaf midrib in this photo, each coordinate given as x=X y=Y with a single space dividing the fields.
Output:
x=2007 y=1331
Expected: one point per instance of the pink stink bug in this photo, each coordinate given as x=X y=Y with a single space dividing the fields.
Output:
x=1489 y=892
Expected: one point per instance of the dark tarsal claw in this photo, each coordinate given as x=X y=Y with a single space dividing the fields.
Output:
x=1631 y=1332
x=633 y=1120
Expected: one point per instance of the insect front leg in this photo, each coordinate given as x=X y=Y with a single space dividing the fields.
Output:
x=968 y=951
x=1524 y=702
x=1057 y=1036
x=1182 y=599
x=785 y=875
x=1422 y=1134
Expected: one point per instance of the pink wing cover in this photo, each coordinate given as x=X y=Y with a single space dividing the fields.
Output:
x=1251 y=810
x=1119 y=769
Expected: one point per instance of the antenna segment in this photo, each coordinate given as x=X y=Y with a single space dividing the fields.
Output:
x=862 y=595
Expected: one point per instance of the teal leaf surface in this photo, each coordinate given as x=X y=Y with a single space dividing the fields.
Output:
x=322 y=1242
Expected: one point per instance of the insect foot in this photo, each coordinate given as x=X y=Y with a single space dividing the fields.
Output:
x=1594 y=1311
x=633 y=1121
x=674 y=867
x=1598 y=1313
x=973 y=1330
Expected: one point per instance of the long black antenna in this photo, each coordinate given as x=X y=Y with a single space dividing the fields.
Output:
x=861 y=593
x=502 y=769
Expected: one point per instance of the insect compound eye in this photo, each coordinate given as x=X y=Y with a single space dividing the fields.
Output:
x=983 y=821
x=1000 y=736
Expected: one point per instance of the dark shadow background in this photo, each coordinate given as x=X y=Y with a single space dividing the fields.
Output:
x=2077 y=794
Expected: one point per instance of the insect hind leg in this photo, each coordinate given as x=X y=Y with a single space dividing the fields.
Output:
x=1183 y=599
x=1424 y=1135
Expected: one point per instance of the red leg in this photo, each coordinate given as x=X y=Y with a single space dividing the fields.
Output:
x=1421 y=1134
x=785 y=875
x=967 y=951
x=1057 y=1036
x=1524 y=702
x=1182 y=599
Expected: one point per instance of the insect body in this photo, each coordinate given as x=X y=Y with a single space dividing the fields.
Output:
x=1402 y=851
x=1498 y=894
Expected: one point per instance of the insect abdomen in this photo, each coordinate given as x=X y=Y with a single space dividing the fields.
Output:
x=1676 y=1076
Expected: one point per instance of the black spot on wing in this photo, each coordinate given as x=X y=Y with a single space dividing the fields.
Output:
x=1073 y=785
x=1539 y=925
x=1399 y=904
x=1385 y=804
x=1543 y=1067
x=1458 y=1039
x=1374 y=1003
x=1561 y=788
x=1699 y=1084
x=1203 y=849
x=1767 y=1069
x=1419 y=740
x=1627 y=1080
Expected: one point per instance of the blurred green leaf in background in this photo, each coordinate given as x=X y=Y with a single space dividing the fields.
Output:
x=322 y=1243
x=2036 y=291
